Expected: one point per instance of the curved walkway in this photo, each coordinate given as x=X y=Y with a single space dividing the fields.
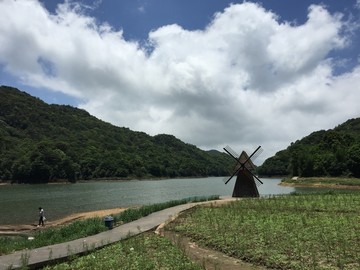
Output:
x=38 y=257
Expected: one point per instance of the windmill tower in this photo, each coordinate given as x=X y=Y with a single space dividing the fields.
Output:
x=245 y=185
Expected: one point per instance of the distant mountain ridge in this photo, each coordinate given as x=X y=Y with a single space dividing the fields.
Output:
x=335 y=152
x=40 y=143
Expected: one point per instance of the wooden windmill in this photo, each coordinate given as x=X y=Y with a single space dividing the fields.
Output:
x=245 y=185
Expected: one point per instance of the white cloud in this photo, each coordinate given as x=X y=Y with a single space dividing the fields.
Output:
x=245 y=80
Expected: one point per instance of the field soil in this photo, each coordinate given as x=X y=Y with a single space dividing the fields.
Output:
x=210 y=259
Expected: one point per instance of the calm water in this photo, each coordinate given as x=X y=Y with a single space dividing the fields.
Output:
x=19 y=203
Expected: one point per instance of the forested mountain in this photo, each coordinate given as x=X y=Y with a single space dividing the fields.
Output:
x=335 y=152
x=42 y=143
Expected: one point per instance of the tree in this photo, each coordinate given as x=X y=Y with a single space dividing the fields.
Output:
x=306 y=165
x=21 y=170
x=354 y=160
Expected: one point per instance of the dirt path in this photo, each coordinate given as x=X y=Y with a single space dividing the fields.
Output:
x=210 y=259
x=25 y=228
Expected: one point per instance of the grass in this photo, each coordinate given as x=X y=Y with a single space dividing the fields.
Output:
x=314 y=231
x=326 y=181
x=144 y=252
x=83 y=228
x=299 y=231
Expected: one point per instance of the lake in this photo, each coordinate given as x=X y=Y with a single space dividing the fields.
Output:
x=19 y=203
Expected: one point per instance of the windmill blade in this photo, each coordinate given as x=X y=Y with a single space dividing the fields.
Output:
x=252 y=157
x=226 y=179
x=231 y=155
x=231 y=152
x=235 y=172
x=257 y=149
x=258 y=182
x=257 y=178
x=234 y=155
x=258 y=153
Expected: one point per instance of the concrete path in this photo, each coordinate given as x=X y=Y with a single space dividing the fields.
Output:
x=38 y=257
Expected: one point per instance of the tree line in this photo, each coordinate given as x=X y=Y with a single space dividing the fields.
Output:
x=335 y=152
x=41 y=143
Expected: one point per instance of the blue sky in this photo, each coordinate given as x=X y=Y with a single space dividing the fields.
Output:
x=209 y=72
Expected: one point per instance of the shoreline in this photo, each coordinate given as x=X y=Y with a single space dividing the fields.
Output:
x=5 y=183
x=319 y=185
x=26 y=228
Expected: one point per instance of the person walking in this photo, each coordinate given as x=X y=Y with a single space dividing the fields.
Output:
x=41 y=217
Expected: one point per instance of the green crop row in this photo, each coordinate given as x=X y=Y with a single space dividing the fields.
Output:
x=145 y=251
x=327 y=181
x=314 y=231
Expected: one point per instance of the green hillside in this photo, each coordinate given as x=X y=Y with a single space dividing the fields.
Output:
x=335 y=152
x=43 y=143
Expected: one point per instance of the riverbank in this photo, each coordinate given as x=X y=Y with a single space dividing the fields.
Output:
x=61 y=200
x=111 y=179
x=25 y=228
x=322 y=182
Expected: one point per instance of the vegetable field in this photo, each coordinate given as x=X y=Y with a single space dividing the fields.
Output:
x=145 y=251
x=314 y=231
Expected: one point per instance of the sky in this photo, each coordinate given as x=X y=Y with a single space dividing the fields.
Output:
x=210 y=72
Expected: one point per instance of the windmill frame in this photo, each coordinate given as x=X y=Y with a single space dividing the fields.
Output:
x=245 y=185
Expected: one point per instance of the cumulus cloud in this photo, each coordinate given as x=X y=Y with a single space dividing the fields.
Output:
x=245 y=80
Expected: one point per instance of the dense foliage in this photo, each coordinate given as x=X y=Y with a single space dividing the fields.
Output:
x=334 y=152
x=40 y=143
